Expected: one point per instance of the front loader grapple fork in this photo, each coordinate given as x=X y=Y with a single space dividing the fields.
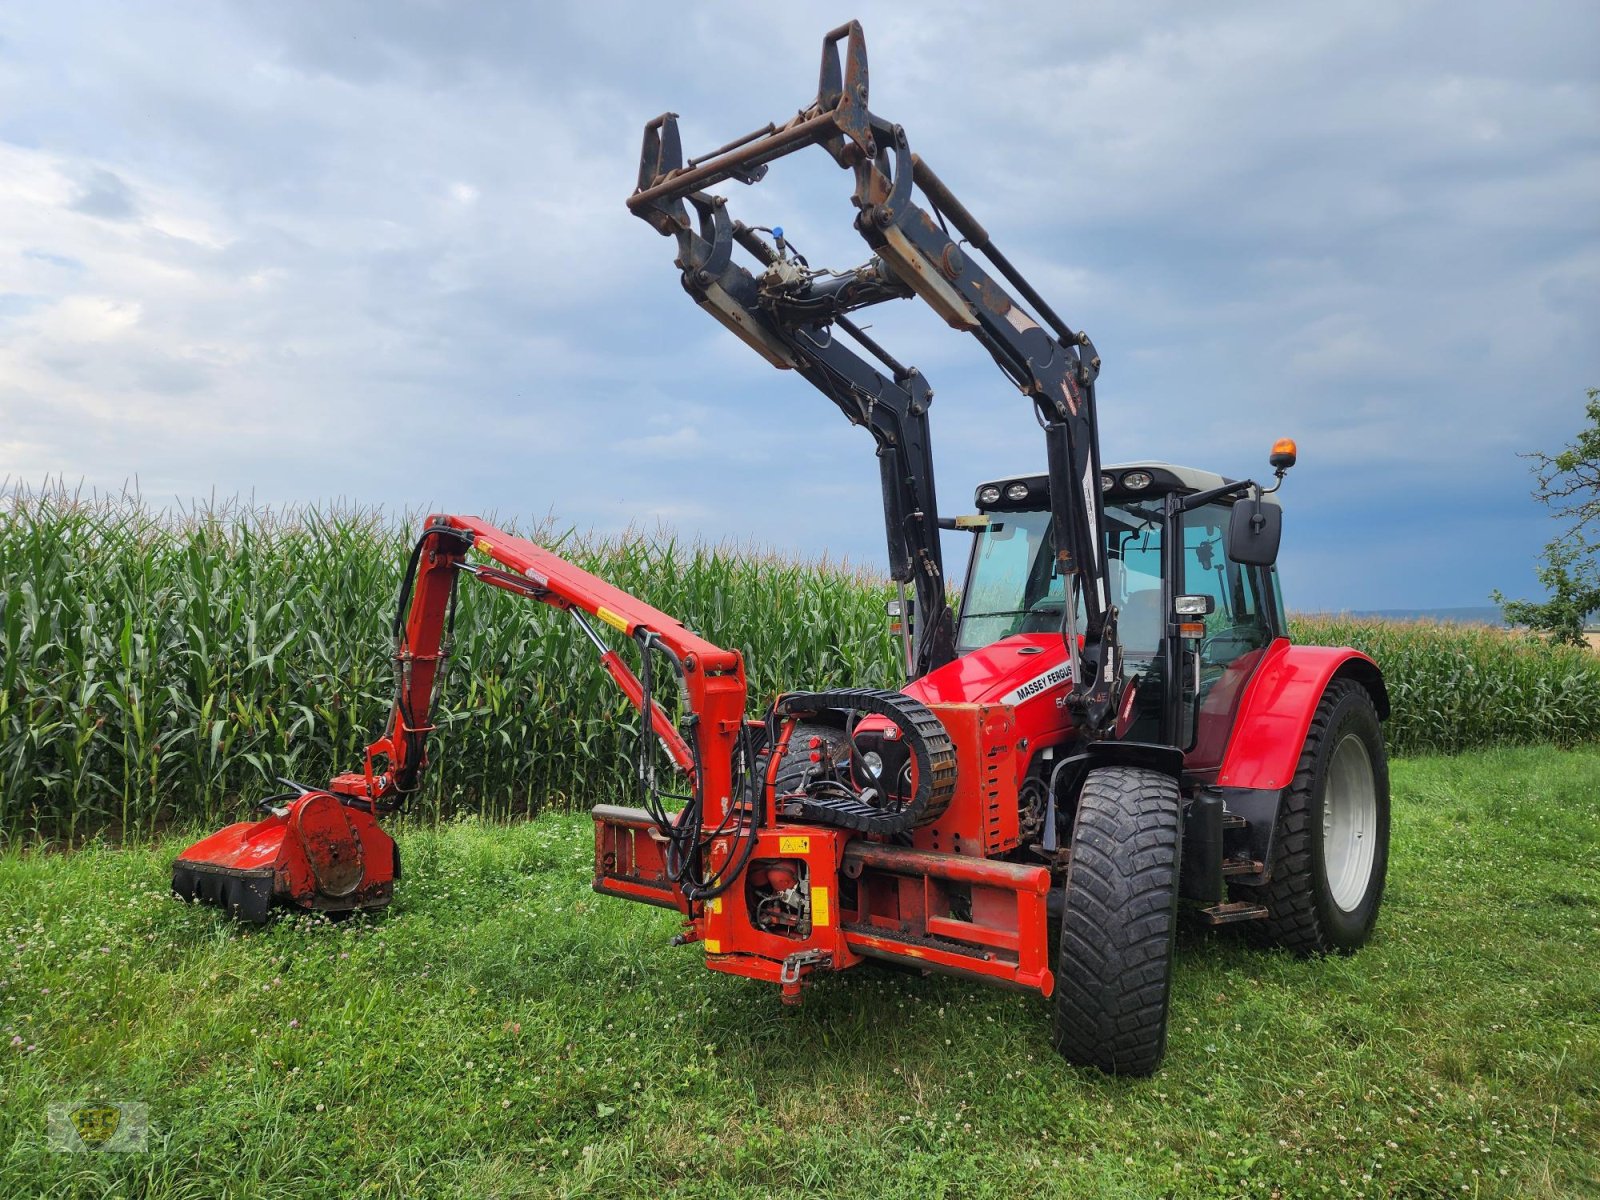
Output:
x=789 y=314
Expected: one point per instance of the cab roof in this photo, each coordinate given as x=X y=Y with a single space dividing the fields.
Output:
x=1165 y=477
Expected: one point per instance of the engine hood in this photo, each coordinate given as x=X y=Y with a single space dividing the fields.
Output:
x=1010 y=671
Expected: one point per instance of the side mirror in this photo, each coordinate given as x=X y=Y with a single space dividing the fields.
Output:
x=1254 y=531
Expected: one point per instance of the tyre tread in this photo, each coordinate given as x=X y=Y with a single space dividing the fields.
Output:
x=1113 y=985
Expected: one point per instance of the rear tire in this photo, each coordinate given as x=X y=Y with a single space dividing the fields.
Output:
x=1119 y=915
x=1330 y=851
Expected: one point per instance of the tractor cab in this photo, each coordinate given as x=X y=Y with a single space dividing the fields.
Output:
x=1185 y=664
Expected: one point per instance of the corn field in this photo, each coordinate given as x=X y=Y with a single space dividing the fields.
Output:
x=161 y=667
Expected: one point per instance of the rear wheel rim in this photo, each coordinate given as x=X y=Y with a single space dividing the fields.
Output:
x=1349 y=822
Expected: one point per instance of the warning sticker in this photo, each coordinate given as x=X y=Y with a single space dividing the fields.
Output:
x=820 y=915
x=612 y=619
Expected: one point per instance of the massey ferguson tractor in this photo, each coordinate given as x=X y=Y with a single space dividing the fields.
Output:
x=1114 y=721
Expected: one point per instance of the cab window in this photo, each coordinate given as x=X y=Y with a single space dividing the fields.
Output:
x=1237 y=631
x=1012 y=586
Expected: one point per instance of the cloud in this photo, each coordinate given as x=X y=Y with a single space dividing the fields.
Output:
x=379 y=250
x=104 y=194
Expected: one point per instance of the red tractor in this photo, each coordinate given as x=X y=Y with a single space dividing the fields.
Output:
x=1115 y=720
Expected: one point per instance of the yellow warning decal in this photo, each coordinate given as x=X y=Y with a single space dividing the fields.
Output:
x=485 y=545
x=611 y=618
x=794 y=845
x=714 y=904
x=713 y=946
x=819 y=907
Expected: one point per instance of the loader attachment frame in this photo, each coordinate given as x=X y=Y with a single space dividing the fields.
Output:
x=789 y=313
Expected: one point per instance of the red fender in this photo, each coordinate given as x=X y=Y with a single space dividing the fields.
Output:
x=1278 y=704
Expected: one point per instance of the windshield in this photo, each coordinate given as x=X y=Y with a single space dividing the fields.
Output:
x=1012 y=589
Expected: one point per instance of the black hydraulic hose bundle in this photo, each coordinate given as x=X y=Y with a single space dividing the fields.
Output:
x=416 y=741
x=928 y=746
x=687 y=838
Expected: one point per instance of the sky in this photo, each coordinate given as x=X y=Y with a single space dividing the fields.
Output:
x=378 y=253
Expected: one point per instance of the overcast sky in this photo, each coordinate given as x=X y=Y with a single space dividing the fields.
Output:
x=379 y=252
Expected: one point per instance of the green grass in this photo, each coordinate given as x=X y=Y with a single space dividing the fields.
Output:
x=503 y=1031
x=158 y=666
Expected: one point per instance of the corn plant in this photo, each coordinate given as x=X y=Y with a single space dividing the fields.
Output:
x=161 y=667
x=172 y=666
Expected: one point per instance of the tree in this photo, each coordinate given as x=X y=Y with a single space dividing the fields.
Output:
x=1569 y=485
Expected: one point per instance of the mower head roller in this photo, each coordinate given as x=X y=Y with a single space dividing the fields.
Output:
x=316 y=853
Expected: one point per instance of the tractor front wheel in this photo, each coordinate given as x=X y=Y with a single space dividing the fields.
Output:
x=1330 y=852
x=1118 y=917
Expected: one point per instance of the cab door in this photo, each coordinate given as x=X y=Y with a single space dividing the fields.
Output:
x=1242 y=624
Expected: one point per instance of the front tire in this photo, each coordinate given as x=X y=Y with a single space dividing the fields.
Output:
x=1119 y=915
x=1330 y=852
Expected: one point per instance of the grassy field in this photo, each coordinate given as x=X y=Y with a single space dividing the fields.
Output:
x=158 y=666
x=502 y=1031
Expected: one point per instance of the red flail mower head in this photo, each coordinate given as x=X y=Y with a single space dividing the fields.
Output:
x=315 y=853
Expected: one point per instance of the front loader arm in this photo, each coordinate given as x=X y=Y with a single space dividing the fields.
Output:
x=790 y=312
x=791 y=321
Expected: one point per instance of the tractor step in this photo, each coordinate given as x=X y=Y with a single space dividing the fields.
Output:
x=1238 y=910
x=1233 y=821
x=1243 y=866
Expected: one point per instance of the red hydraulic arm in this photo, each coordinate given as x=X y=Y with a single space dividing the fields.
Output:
x=324 y=849
x=712 y=678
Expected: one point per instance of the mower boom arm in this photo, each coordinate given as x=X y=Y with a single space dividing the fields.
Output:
x=713 y=678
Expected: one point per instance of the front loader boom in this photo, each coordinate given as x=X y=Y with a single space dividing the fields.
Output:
x=789 y=312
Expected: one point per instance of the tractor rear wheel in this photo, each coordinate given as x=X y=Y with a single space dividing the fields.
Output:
x=1330 y=851
x=1118 y=918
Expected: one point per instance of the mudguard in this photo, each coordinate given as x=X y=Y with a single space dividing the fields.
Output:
x=1276 y=709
